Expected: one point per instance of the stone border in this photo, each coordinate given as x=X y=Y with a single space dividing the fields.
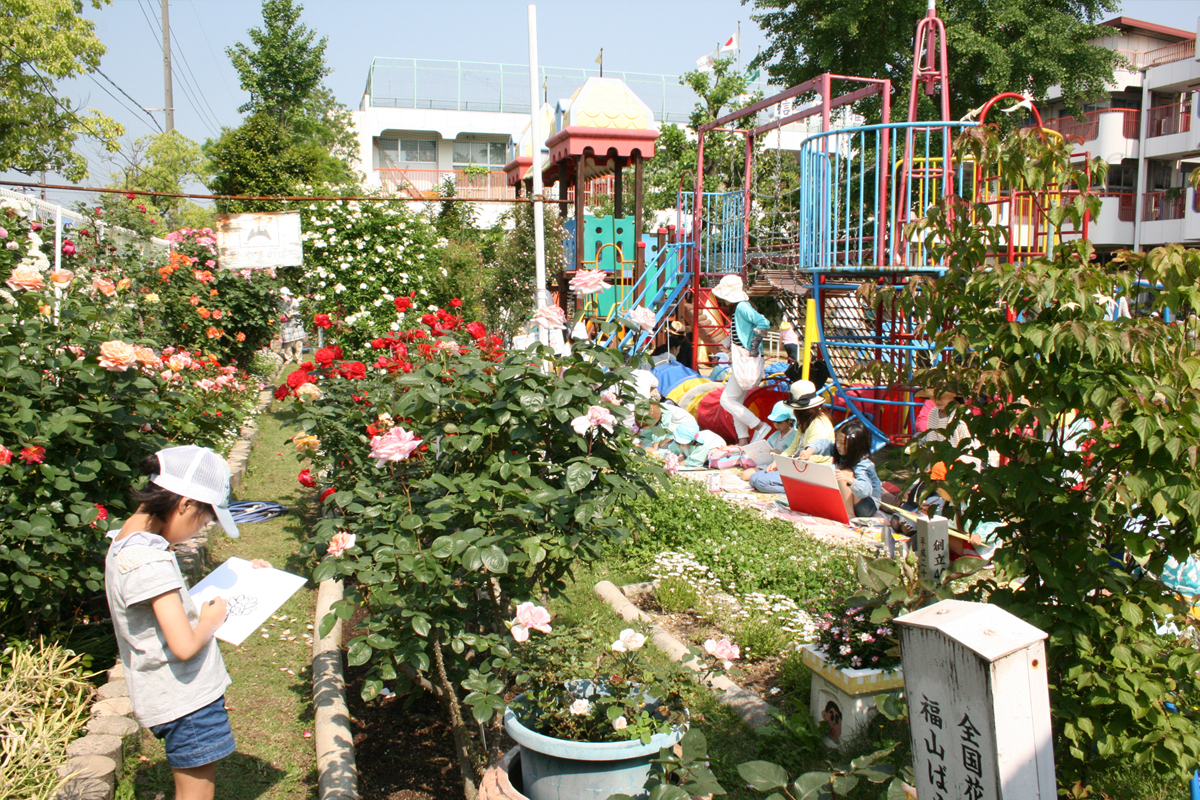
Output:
x=337 y=771
x=752 y=709
x=95 y=759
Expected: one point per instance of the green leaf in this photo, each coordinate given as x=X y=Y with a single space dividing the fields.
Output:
x=579 y=475
x=420 y=626
x=358 y=653
x=811 y=785
x=763 y=775
x=494 y=559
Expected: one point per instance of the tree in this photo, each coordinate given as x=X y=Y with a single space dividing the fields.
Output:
x=260 y=158
x=296 y=131
x=165 y=162
x=287 y=65
x=994 y=46
x=41 y=42
x=1094 y=425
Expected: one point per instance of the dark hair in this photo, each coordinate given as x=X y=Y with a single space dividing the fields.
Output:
x=858 y=445
x=157 y=501
x=806 y=416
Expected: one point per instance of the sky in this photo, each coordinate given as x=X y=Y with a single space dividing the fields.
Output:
x=648 y=36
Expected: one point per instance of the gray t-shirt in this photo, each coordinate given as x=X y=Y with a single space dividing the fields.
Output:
x=162 y=688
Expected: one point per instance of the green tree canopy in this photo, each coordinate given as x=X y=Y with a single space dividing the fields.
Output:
x=313 y=142
x=165 y=162
x=994 y=46
x=42 y=41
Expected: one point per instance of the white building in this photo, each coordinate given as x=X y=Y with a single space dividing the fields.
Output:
x=1147 y=131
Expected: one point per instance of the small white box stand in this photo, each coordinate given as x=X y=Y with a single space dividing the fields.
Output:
x=845 y=698
x=978 y=703
x=933 y=548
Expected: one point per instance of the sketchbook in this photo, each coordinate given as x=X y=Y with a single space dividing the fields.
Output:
x=252 y=595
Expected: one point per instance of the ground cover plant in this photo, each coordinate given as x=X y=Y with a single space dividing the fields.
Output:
x=763 y=579
x=1036 y=344
x=465 y=481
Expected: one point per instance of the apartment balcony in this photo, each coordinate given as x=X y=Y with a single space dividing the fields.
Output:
x=1113 y=226
x=425 y=184
x=1171 y=131
x=1110 y=133
x=1170 y=217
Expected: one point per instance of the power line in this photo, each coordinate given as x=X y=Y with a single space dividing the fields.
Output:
x=119 y=101
x=178 y=74
x=135 y=102
x=195 y=82
x=213 y=53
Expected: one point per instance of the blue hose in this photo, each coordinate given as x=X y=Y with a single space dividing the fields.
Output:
x=244 y=511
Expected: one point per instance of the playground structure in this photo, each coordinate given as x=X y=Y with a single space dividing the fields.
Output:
x=811 y=234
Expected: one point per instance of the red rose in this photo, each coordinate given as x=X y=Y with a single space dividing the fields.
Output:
x=429 y=319
x=497 y=341
x=33 y=454
x=403 y=303
x=101 y=514
x=298 y=379
x=306 y=479
x=337 y=352
x=379 y=344
x=455 y=303
x=325 y=356
x=322 y=321
x=353 y=370
x=130 y=195
x=282 y=392
x=327 y=492
x=477 y=330
x=68 y=248
x=307 y=366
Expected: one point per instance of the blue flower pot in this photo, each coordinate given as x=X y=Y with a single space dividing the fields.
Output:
x=560 y=769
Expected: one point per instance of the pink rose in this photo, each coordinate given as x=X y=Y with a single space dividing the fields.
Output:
x=597 y=416
x=723 y=649
x=644 y=318
x=552 y=318
x=589 y=281
x=116 y=356
x=25 y=277
x=33 y=454
x=68 y=248
x=395 y=445
x=179 y=362
x=61 y=277
x=5 y=455
x=529 y=617
x=671 y=463
x=340 y=543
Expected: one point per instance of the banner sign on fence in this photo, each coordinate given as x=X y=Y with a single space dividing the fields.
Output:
x=259 y=241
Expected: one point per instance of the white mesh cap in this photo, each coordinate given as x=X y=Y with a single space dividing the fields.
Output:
x=200 y=474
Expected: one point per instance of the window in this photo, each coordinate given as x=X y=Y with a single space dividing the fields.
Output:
x=480 y=153
x=406 y=151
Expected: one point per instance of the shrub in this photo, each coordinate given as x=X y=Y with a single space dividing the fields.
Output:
x=44 y=696
x=675 y=595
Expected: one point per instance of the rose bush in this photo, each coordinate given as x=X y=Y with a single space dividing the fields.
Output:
x=499 y=501
x=84 y=397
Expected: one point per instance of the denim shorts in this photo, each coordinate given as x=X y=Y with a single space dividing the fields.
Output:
x=198 y=738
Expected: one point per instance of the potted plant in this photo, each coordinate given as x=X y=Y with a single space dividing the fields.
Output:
x=593 y=716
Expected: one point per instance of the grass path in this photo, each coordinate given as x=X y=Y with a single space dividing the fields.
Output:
x=270 y=700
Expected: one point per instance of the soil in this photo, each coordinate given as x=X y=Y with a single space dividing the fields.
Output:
x=402 y=753
x=758 y=676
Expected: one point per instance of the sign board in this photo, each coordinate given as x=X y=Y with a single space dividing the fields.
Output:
x=259 y=241
x=933 y=548
x=978 y=703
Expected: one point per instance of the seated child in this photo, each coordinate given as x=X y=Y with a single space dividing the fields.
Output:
x=785 y=433
x=693 y=445
x=854 y=470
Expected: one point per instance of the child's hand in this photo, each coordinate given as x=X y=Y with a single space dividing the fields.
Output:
x=845 y=476
x=771 y=468
x=259 y=563
x=214 y=611
x=805 y=454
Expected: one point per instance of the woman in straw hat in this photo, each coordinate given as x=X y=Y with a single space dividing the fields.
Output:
x=814 y=442
x=747 y=369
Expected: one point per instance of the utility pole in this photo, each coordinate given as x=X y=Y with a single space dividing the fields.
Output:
x=168 y=99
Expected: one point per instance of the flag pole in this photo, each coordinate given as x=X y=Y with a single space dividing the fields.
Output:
x=535 y=142
x=739 y=46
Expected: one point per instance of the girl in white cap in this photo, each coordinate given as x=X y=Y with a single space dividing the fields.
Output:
x=747 y=366
x=173 y=668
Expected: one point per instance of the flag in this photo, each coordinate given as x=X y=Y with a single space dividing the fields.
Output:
x=753 y=75
x=732 y=43
x=600 y=58
x=705 y=62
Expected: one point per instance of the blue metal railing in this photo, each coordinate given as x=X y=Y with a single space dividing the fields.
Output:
x=658 y=289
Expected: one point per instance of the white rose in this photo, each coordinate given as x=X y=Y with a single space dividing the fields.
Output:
x=620 y=723
x=580 y=707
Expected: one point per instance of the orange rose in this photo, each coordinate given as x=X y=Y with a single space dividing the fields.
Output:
x=44 y=311
x=213 y=293
x=146 y=356
x=117 y=356
x=938 y=473
x=123 y=283
x=213 y=333
x=179 y=362
x=27 y=278
x=203 y=312
x=61 y=277
x=217 y=313
x=105 y=286
x=241 y=337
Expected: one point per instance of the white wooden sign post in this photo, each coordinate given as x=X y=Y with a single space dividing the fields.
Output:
x=933 y=548
x=978 y=703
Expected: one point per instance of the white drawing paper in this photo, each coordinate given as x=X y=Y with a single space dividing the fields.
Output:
x=251 y=595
